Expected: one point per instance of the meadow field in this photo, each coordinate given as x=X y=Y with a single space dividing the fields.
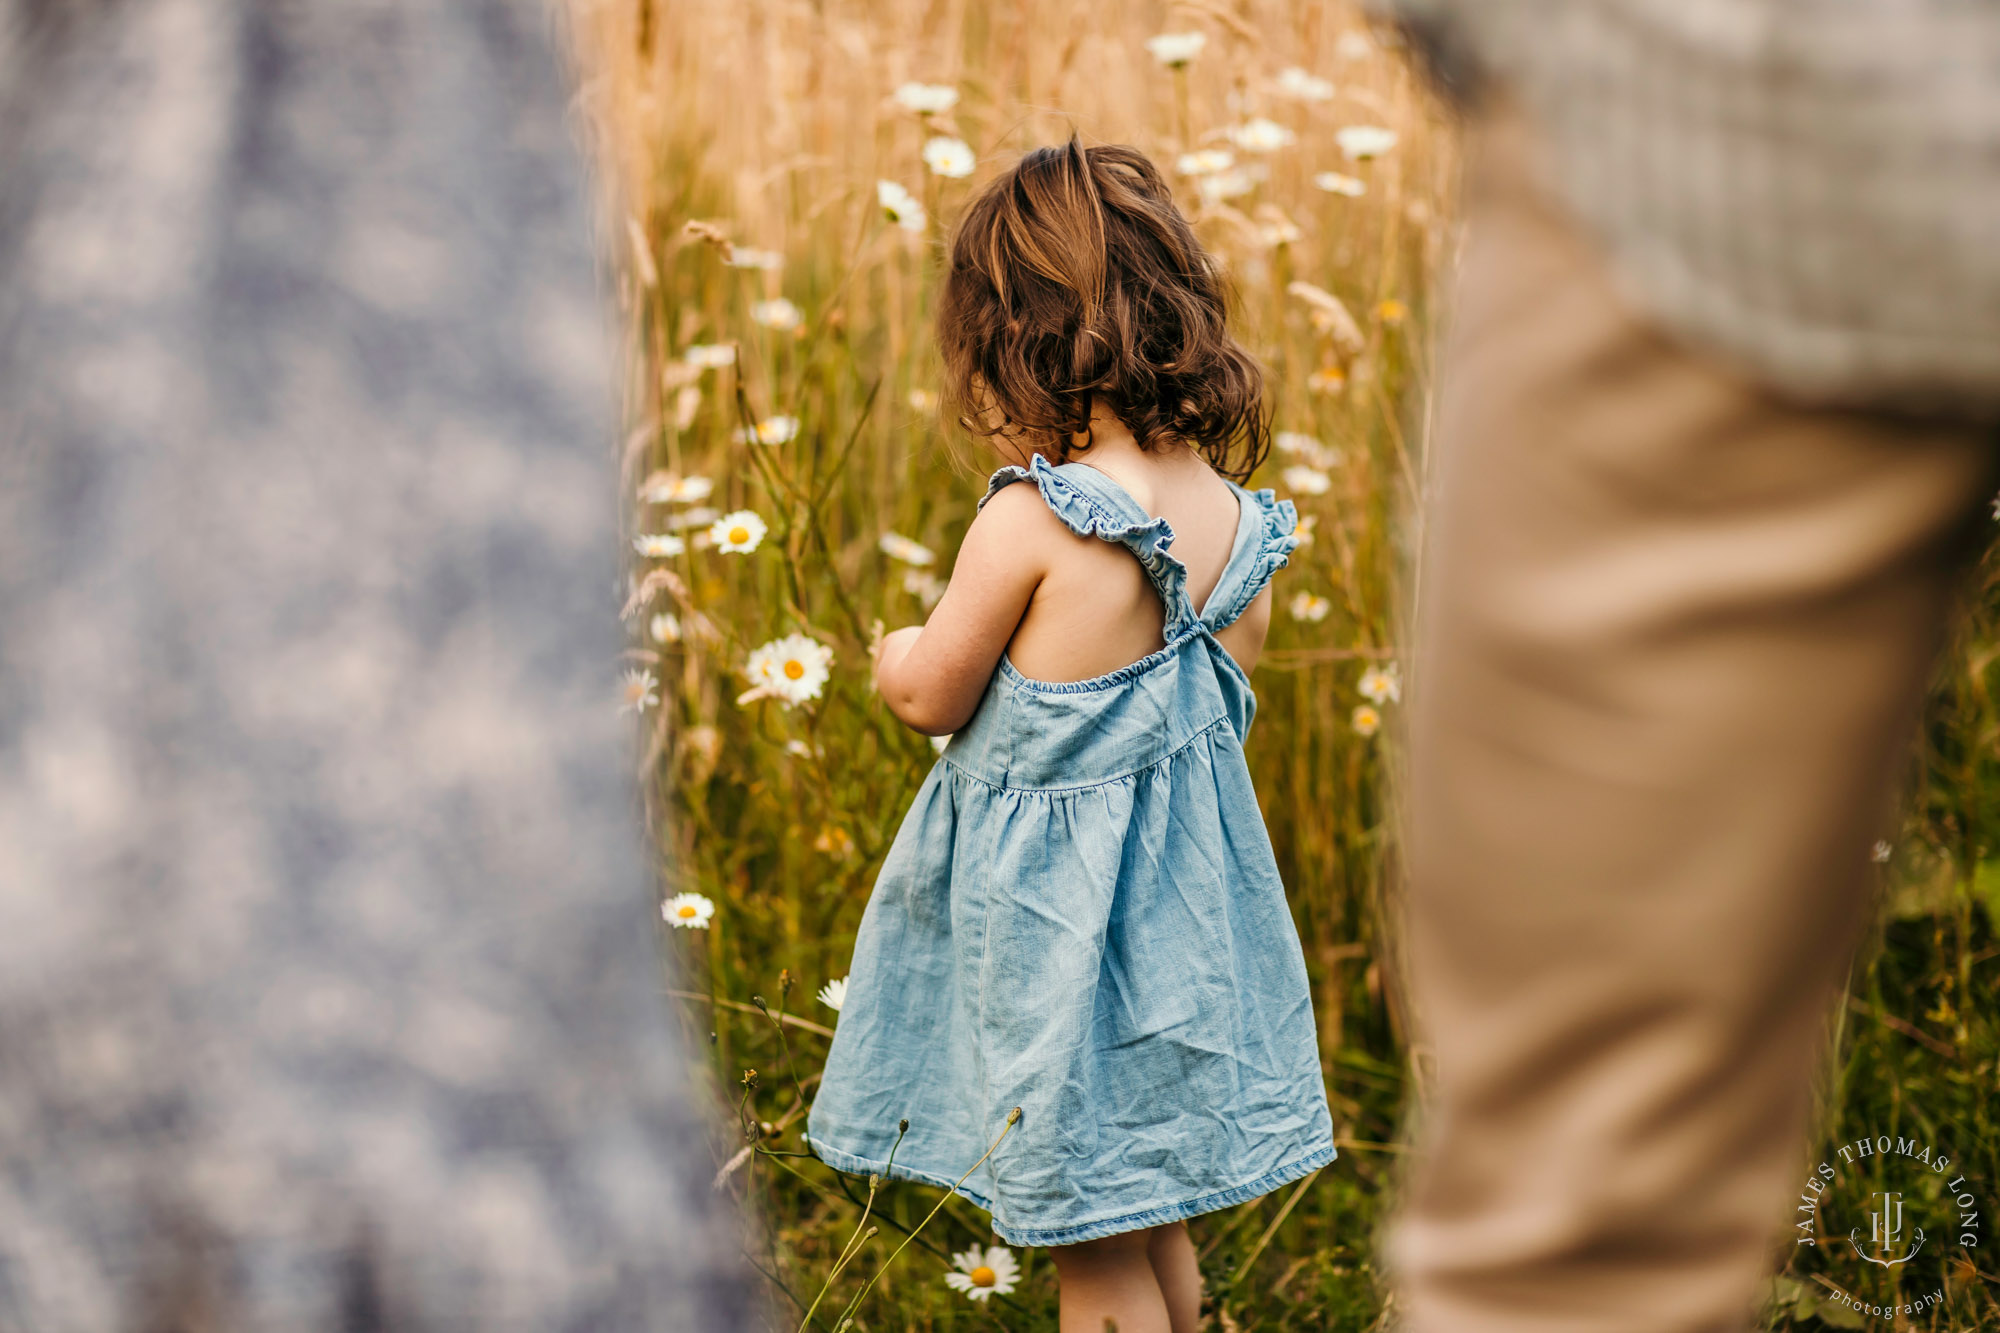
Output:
x=781 y=176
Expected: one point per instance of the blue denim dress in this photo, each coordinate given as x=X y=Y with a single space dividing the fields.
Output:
x=1081 y=916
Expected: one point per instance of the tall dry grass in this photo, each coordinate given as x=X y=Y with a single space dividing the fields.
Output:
x=770 y=125
x=766 y=125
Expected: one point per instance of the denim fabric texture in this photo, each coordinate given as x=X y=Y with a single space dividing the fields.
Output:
x=1081 y=916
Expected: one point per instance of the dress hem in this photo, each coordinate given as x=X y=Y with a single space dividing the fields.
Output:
x=1041 y=1237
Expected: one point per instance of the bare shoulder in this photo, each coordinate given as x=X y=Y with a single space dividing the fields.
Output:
x=1015 y=526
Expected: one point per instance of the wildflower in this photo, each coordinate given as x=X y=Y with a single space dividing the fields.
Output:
x=798 y=749
x=1882 y=851
x=1367 y=720
x=659 y=545
x=777 y=313
x=743 y=256
x=834 y=994
x=1205 y=162
x=926 y=99
x=793 y=669
x=1392 y=311
x=1354 y=45
x=1327 y=379
x=642 y=691
x=1329 y=316
x=983 y=1273
x=1382 y=685
x=710 y=356
x=738 y=532
x=1176 y=49
x=924 y=585
x=1335 y=183
x=1295 y=82
x=687 y=911
x=901 y=206
x=1261 y=136
x=1305 y=447
x=1310 y=608
x=698 y=517
x=898 y=547
x=1306 y=480
x=771 y=430
x=923 y=400
x=1361 y=142
x=946 y=156
x=665 y=628
x=834 y=842
x=1232 y=184
x=1303 y=530
x=665 y=488
x=1278 y=230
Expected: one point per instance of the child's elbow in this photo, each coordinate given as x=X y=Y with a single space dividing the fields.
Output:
x=921 y=712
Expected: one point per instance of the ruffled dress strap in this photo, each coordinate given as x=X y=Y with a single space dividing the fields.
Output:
x=1090 y=504
x=1266 y=536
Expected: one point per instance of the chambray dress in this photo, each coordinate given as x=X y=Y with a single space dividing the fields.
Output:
x=1081 y=916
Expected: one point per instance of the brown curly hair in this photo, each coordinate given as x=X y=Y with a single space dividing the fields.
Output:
x=1073 y=276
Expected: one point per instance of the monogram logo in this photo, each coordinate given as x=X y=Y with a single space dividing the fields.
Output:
x=1885 y=1229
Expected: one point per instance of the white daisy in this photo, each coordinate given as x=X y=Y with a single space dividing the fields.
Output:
x=687 y=911
x=981 y=1273
x=1382 y=685
x=1882 y=851
x=1278 y=230
x=1327 y=379
x=642 y=691
x=665 y=628
x=1261 y=136
x=1306 y=480
x=771 y=430
x=793 y=669
x=698 y=517
x=1304 y=530
x=1310 y=608
x=923 y=400
x=834 y=994
x=1175 y=49
x=658 y=545
x=1205 y=161
x=738 y=532
x=926 y=98
x=924 y=585
x=665 y=488
x=1367 y=720
x=743 y=256
x=709 y=356
x=777 y=313
x=898 y=547
x=1361 y=142
x=1307 y=87
x=946 y=156
x=1335 y=183
x=1305 y=448
x=901 y=206
x=1231 y=184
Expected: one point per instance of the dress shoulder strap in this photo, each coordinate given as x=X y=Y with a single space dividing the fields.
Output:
x=1091 y=504
x=1267 y=533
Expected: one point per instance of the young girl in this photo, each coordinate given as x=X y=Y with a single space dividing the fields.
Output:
x=1081 y=916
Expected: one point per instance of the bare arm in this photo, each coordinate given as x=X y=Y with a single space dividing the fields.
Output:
x=1243 y=638
x=932 y=677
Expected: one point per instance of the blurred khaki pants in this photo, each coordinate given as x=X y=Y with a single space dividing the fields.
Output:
x=1672 y=640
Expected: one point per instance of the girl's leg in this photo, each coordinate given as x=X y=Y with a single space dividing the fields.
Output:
x=1110 y=1279
x=1171 y=1253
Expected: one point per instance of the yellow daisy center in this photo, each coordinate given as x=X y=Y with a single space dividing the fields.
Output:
x=739 y=533
x=795 y=668
x=983 y=1276
x=687 y=910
